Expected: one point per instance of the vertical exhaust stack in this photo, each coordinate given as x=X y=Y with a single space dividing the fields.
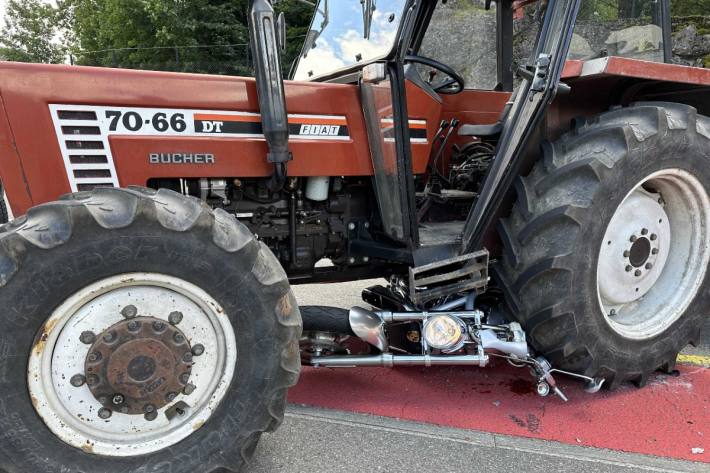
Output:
x=270 y=88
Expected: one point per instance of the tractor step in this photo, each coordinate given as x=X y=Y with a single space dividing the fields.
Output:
x=450 y=276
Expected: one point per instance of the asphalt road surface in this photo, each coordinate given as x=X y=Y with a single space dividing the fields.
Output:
x=319 y=440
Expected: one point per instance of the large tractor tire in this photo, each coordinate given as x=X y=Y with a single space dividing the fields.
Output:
x=141 y=332
x=606 y=250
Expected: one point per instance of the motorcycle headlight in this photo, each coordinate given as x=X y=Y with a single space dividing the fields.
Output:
x=444 y=332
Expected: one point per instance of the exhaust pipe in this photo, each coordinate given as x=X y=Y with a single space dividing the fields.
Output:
x=270 y=89
x=369 y=326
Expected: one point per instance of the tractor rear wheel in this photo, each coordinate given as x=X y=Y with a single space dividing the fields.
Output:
x=142 y=332
x=606 y=250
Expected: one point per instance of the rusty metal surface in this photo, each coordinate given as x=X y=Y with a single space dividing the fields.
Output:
x=636 y=68
x=138 y=365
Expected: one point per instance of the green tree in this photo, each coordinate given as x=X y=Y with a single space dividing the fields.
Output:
x=298 y=19
x=690 y=7
x=192 y=35
x=34 y=32
x=187 y=35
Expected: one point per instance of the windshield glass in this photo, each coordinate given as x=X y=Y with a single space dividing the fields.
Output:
x=347 y=32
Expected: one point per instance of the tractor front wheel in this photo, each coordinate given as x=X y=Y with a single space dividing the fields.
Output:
x=606 y=251
x=141 y=332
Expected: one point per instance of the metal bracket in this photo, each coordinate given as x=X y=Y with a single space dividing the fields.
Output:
x=450 y=276
x=542 y=69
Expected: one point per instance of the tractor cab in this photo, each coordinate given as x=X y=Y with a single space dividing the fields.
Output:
x=451 y=92
x=435 y=82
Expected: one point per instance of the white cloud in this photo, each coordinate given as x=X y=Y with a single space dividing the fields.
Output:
x=318 y=59
x=342 y=48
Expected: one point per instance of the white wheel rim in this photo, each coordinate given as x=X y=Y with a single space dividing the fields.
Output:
x=654 y=255
x=71 y=413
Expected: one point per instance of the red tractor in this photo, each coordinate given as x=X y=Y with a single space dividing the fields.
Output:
x=148 y=319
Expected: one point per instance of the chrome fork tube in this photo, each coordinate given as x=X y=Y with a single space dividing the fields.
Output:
x=390 y=360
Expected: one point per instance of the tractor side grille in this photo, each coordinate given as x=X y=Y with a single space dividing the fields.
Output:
x=83 y=140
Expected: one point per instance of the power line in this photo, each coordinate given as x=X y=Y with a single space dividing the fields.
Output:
x=139 y=48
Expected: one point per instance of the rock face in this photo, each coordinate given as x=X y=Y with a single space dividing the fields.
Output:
x=462 y=35
x=691 y=48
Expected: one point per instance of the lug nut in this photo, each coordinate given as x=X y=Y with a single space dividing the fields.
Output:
x=189 y=389
x=103 y=399
x=134 y=326
x=178 y=337
x=92 y=380
x=105 y=413
x=351 y=260
x=118 y=399
x=629 y=268
x=542 y=388
x=77 y=380
x=110 y=337
x=187 y=357
x=198 y=349
x=627 y=253
x=654 y=251
x=653 y=237
x=175 y=317
x=87 y=337
x=649 y=266
x=150 y=414
x=184 y=378
x=158 y=326
x=637 y=272
x=633 y=238
x=351 y=226
x=644 y=231
x=94 y=356
x=170 y=397
x=129 y=311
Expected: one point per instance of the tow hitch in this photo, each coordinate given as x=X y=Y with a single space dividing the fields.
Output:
x=444 y=338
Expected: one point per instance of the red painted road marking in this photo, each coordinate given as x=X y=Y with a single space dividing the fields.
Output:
x=668 y=418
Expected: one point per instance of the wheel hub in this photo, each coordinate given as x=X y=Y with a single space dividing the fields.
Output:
x=139 y=365
x=655 y=254
x=635 y=249
x=132 y=364
x=639 y=252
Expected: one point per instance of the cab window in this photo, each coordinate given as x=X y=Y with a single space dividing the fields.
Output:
x=627 y=28
x=462 y=35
